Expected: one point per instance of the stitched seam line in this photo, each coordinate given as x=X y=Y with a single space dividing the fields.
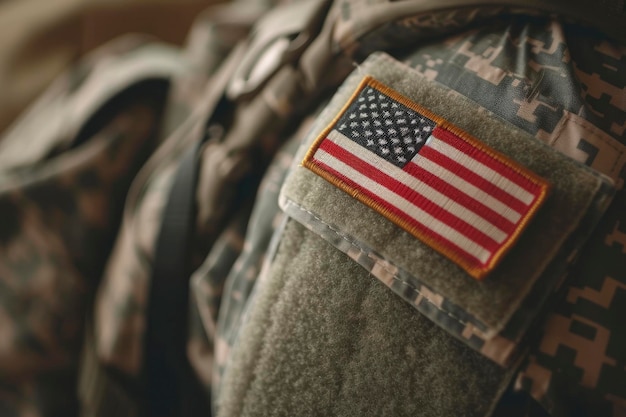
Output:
x=365 y=252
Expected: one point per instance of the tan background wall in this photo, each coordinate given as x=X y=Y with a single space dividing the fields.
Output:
x=39 y=38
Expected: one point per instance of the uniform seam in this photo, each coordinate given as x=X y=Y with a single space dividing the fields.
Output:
x=393 y=275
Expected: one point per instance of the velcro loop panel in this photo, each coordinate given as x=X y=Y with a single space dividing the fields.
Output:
x=490 y=315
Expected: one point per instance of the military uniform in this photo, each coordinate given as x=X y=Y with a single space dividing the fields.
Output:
x=311 y=343
x=322 y=297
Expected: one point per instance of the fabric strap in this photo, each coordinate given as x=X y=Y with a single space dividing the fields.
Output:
x=172 y=388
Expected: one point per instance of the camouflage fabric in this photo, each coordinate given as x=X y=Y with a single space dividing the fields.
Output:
x=561 y=85
x=208 y=281
x=378 y=250
x=241 y=279
x=111 y=365
x=516 y=93
x=577 y=365
x=113 y=353
x=124 y=287
x=581 y=354
x=67 y=165
x=231 y=166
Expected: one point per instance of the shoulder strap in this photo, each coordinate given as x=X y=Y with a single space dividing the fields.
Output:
x=171 y=387
x=170 y=379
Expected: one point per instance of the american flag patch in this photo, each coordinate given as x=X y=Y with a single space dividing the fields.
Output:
x=454 y=193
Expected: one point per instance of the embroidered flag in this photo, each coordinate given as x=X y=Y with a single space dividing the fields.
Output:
x=462 y=198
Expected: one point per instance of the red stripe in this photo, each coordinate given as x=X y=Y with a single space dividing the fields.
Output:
x=393 y=209
x=460 y=197
x=473 y=178
x=409 y=194
x=486 y=159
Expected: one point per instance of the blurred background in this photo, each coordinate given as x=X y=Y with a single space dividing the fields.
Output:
x=39 y=38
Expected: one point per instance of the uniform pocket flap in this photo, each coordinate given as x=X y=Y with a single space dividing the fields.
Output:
x=467 y=218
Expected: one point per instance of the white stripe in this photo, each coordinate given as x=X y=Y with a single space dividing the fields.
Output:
x=484 y=171
x=469 y=189
x=405 y=206
x=420 y=187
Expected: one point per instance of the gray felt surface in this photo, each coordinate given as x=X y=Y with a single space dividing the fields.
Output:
x=326 y=339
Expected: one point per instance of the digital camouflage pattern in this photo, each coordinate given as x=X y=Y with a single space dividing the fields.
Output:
x=579 y=358
x=60 y=206
x=516 y=86
x=546 y=99
x=563 y=85
x=553 y=98
x=499 y=342
x=572 y=98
